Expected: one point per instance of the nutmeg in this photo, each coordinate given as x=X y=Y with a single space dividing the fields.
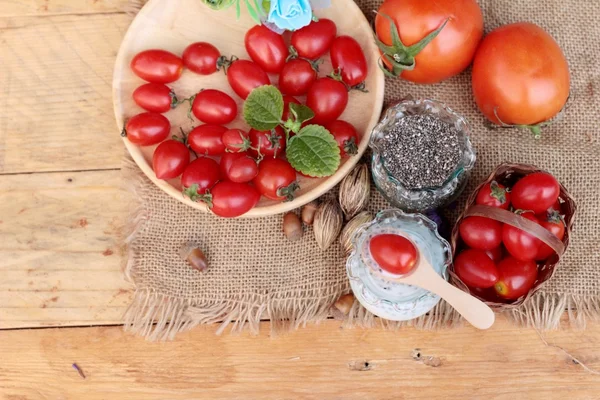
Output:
x=355 y=191
x=292 y=227
x=344 y=304
x=195 y=257
x=308 y=212
x=351 y=228
x=328 y=223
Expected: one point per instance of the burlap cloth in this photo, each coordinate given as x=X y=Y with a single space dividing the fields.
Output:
x=257 y=274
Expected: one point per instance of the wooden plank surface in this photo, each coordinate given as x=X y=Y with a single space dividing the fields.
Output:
x=60 y=249
x=9 y=8
x=318 y=362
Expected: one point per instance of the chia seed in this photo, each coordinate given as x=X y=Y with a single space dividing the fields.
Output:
x=421 y=151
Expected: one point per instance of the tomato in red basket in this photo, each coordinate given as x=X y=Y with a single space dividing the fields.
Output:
x=207 y=139
x=201 y=58
x=244 y=76
x=170 y=159
x=286 y=106
x=214 y=107
x=553 y=223
x=231 y=199
x=495 y=254
x=236 y=140
x=296 y=77
x=242 y=170
x=269 y=144
x=328 y=99
x=348 y=58
x=476 y=269
x=157 y=66
x=516 y=278
x=345 y=135
x=520 y=244
x=535 y=192
x=394 y=253
x=314 y=40
x=481 y=233
x=266 y=48
x=202 y=172
x=146 y=129
x=155 y=97
x=493 y=195
x=276 y=179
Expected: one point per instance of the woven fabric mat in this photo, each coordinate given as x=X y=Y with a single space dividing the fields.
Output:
x=256 y=273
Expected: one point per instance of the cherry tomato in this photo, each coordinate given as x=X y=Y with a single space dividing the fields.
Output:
x=231 y=199
x=345 y=135
x=495 y=254
x=155 y=97
x=516 y=278
x=214 y=107
x=157 y=66
x=244 y=76
x=394 y=253
x=349 y=59
x=170 y=159
x=554 y=207
x=243 y=170
x=269 y=144
x=535 y=192
x=476 y=269
x=226 y=162
x=481 y=233
x=315 y=39
x=556 y=226
x=276 y=179
x=286 y=106
x=520 y=75
x=201 y=58
x=235 y=140
x=202 y=172
x=297 y=76
x=207 y=140
x=148 y=128
x=266 y=48
x=493 y=195
x=520 y=244
x=328 y=99
x=452 y=49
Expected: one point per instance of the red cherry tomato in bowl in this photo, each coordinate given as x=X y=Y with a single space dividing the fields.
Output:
x=296 y=77
x=520 y=244
x=244 y=76
x=157 y=66
x=345 y=135
x=243 y=170
x=535 y=192
x=394 y=253
x=207 y=139
x=170 y=159
x=349 y=59
x=155 y=97
x=226 y=162
x=494 y=195
x=328 y=99
x=481 y=233
x=266 y=48
x=315 y=39
x=201 y=58
x=286 y=106
x=231 y=199
x=553 y=223
x=516 y=278
x=203 y=173
x=476 y=269
x=214 y=107
x=276 y=179
x=267 y=144
x=235 y=141
x=148 y=128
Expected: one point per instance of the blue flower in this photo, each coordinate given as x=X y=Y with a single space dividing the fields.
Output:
x=290 y=14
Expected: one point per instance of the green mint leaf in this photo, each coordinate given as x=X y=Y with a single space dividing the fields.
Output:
x=314 y=152
x=301 y=112
x=263 y=108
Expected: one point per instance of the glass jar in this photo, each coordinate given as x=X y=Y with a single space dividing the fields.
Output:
x=424 y=199
x=385 y=298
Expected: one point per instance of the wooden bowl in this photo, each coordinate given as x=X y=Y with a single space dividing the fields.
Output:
x=174 y=24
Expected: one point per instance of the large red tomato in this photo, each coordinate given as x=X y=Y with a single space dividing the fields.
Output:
x=520 y=75
x=449 y=53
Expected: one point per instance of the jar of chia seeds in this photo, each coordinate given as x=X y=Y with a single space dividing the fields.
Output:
x=422 y=155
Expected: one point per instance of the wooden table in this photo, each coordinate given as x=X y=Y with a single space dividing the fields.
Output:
x=61 y=212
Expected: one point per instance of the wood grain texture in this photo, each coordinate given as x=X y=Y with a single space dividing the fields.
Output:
x=11 y=8
x=318 y=362
x=55 y=92
x=60 y=252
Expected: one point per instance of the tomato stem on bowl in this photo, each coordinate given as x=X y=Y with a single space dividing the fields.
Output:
x=288 y=191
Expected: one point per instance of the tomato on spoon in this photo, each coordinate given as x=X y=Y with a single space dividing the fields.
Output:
x=394 y=253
